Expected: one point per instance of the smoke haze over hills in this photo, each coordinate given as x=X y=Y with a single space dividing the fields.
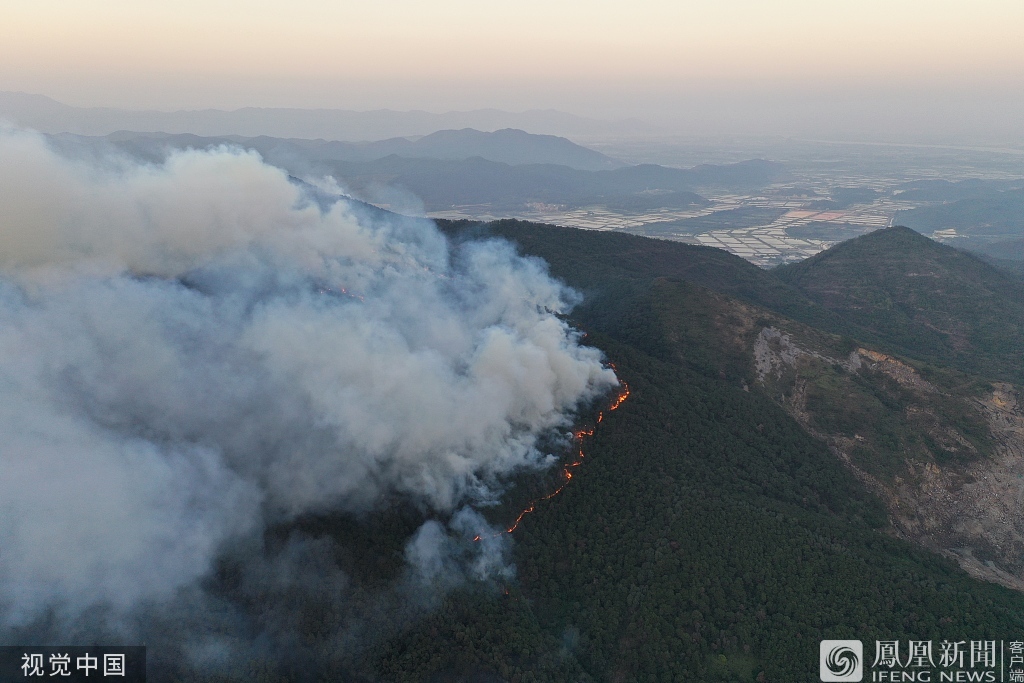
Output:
x=194 y=351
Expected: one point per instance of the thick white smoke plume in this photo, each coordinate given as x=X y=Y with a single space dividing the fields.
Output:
x=191 y=350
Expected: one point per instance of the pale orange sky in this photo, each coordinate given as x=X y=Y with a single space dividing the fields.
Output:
x=593 y=57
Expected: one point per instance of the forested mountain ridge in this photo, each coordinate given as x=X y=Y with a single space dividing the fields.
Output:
x=599 y=263
x=922 y=299
x=716 y=529
x=672 y=337
x=941 y=447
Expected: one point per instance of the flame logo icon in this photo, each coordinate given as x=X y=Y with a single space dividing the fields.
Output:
x=842 y=661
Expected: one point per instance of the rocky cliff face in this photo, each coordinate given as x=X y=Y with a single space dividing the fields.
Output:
x=947 y=485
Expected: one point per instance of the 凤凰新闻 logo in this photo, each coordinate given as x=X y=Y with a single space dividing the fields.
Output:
x=842 y=660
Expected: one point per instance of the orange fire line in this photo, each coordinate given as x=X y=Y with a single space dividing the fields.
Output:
x=578 y=436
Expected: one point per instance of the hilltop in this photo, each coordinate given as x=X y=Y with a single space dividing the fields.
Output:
x=921 y=298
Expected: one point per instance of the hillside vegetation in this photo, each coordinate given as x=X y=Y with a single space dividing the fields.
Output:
x=921 y=299
x=714 y=531
x=711 y=536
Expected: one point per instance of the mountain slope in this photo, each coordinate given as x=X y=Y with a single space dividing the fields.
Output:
x=708 y=536
x=908 y=429
x=1009 y=253
x=602 y=263
x=922 y=299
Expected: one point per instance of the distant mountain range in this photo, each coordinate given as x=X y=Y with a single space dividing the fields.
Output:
x=987 y=216
x=443 y=184
x=502 y=163
x=508 y=146
x=50 y=116
x=994 y=215
x=938 y=190
x=506 y=170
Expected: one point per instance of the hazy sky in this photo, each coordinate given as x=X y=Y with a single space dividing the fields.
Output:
x=599 y=58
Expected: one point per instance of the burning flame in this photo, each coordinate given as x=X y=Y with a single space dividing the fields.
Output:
x=619 y=400
x=578 y=438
